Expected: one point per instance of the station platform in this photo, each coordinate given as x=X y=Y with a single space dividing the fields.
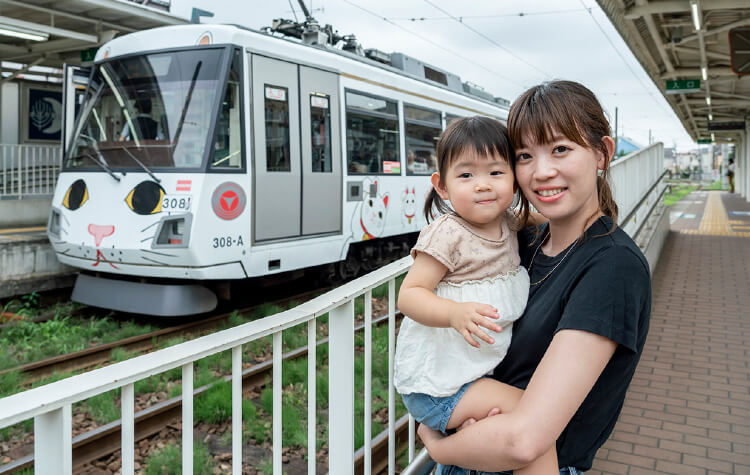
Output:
x=28 y=262
x=688 y=408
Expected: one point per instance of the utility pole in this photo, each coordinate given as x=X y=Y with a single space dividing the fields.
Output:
x=615 y=130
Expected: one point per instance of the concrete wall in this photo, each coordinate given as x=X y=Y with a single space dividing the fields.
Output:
x=31 y=265
x=29 y=211
x=656 y=239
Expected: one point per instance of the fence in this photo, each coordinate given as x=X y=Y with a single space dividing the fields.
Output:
x=50 y=405
x=28 y=170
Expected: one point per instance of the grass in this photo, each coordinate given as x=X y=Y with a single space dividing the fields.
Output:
x=168 y=461
x=677 y=193
x=715 y=186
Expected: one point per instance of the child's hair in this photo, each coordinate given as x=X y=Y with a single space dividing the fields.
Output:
x=571 y=109
x=480 y=134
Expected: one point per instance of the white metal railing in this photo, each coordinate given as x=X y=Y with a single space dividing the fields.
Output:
x=50 y=405
x=632 y=177
x=28 y=170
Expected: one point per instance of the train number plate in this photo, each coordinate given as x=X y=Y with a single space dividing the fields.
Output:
x=176 y=203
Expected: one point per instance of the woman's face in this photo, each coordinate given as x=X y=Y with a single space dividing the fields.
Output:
x=559 y=178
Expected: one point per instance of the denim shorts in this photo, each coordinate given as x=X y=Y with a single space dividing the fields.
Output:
x=434 y=412
x=452 y=470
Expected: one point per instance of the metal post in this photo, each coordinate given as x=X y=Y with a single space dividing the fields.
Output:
x=237 y=410
x=368 y=382
x=53 y=442
x=187 y=419
x=312 y=419
x=278 y=392
x=391 y=390
x=341 y=388
x=127 y=434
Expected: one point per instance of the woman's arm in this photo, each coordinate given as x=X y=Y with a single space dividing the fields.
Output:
x=417 y=300
x=569 y=369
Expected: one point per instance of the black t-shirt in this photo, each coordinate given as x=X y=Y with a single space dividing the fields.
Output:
x=603 y=286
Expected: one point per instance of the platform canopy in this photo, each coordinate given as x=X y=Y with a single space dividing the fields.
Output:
x=698 y=53
x=53 y=32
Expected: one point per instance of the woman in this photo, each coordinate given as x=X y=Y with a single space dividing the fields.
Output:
x=575 y=349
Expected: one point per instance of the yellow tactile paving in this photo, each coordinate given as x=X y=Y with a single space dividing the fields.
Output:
x=715 y=221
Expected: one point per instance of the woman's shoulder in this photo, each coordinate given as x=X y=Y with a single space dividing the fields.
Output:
x=612 y=249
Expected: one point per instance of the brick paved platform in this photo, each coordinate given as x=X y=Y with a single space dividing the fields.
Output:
x=688 y=408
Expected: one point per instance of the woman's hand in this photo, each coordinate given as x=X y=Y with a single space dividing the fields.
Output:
x=467 y=318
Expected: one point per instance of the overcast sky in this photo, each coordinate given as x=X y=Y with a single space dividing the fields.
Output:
x=505 y=47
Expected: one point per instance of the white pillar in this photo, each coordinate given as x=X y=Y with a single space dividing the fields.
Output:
x=53 y=449
x=341 y=389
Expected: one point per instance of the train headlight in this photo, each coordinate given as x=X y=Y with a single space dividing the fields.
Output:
x=54 y=223
x=174 y=231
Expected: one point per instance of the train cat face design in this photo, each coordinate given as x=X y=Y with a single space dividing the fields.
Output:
x=111 y=223
x=368 y=221
x=409 y=207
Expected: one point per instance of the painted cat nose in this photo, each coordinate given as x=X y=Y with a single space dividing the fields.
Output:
x=100 y=232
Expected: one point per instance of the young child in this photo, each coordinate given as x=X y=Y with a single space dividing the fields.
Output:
x=466 y=283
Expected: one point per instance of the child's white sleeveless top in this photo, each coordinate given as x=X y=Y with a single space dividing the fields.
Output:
x=438 y=361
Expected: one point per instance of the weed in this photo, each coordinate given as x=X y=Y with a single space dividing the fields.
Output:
x=214 y=405
x=168 y=461
x=10 y=382
x=678 y=193
x=103 y=408
x=266 y=466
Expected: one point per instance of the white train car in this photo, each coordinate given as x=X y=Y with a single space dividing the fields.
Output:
x=211 y=153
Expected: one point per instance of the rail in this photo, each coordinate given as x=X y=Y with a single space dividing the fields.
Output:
x=633 y=179
x=50 y=405
x=28 y=170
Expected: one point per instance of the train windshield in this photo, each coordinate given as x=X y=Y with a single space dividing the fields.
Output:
x=152 y=110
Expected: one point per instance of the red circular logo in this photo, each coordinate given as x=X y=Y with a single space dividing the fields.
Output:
x=228 y=200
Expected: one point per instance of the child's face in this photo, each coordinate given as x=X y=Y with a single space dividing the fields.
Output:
x=480 y=188
x=559 y=178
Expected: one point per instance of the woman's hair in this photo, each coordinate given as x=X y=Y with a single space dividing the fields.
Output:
x=479 y=134
x=571 y=109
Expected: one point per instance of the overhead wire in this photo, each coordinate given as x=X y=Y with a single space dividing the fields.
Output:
x=433 y=43
x=479 y=17
x=474 y=30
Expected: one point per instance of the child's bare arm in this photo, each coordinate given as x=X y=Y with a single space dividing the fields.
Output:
x=417 y=300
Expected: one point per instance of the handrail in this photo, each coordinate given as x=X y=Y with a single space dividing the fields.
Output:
x=645 y=197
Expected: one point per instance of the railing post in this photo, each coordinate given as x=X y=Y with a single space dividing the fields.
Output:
x=127 y=431
x=187 y=418
x=53 y=452
x=278 y=393
x=341 y=388
x=312 y=342
x=237 y=410
x=391 y=368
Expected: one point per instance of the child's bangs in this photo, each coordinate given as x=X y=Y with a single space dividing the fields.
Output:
x=480 y=135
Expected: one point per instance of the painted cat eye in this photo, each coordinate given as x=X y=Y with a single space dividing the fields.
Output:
x=76 y=195
x=145 y=198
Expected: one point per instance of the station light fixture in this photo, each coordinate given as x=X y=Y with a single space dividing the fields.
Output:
x=708 y=100
x=713 y=137
x=8 y=30
x=696 y=14
x=710 y=116
x=704 y=73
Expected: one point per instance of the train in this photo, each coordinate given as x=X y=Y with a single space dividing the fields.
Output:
x=206 y=154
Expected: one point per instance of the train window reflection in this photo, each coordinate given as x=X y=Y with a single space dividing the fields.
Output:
x=277 y=129
x=320 y=123
x=228 y=140
x=372 y=137
x=423 y=127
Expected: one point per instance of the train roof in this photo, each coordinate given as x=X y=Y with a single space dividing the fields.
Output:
x=213 y=34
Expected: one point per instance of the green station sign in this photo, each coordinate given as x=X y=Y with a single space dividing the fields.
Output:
x=88 y=55
x=704 y=141
x=683 y=86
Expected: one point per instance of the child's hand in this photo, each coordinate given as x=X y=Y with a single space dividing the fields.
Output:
x=470 y=316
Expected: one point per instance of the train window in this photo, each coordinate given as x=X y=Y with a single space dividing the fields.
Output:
x=372 y=141
x=423 y=127
x=228 y=141
x=277 y=129
x=450 y=118
x=320 y=122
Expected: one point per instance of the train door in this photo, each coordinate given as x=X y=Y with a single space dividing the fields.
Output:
x=321 y=151
x=75 y=80
x=277 y=176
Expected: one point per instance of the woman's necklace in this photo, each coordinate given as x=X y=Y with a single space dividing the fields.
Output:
x=531 y=264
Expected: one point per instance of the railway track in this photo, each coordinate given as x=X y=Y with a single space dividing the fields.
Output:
x=99 y=355
x=105 y=440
